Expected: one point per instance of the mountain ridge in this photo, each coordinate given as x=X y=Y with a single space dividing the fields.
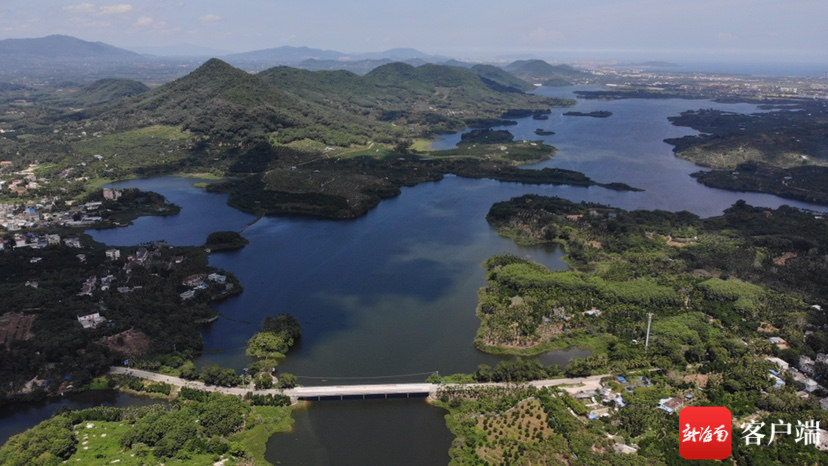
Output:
x=539 y=71
x=63 y=48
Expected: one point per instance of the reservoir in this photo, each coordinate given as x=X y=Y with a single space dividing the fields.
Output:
x=391 y=296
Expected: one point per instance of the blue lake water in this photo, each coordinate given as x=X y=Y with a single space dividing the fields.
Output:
x=392 y=295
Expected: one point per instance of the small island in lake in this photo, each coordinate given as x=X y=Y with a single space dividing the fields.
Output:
x=543 y=132
x=225 y=240
x=595 y=114
x=486 y=136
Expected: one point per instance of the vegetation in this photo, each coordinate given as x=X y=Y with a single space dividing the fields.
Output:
x=523 y=425
x=261 y=423
x=225 y=240
x=808 y=183
x=717 y=288
x=192 y=430
x=269 y=346
x=500 y=79
x=426 y=99
x=596 y=114
x=326 y=144
x=348 y=187
x=486 y=136
x=780 y=152
x=539 y=71
x=145 y=320
x=50 y=442
x=789 y=137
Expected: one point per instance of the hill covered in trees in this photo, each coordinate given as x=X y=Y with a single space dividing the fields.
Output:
x=328 y=143
x=539 y=71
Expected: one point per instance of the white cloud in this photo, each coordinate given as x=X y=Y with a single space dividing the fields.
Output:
x=210 y=18
x=80 y=8
x=98 y=11
x=116 y=9
x=144 y=21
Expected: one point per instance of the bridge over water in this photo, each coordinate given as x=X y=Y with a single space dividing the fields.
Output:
x=348 y=392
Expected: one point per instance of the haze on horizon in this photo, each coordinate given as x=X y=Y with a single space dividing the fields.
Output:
x=703 y=30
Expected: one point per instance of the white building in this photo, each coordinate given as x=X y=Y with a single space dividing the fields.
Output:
x=91 y=320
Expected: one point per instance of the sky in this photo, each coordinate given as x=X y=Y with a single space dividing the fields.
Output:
x=745 y=30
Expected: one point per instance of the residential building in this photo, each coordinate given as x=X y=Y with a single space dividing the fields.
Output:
x=671 y=405
x=91 y=320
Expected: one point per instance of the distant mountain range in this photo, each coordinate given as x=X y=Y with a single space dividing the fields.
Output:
x=62 y=49
x=321 y=60
x=69 y=58
x=293 y=55
x=225 y=102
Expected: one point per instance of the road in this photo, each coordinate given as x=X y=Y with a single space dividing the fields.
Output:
x=570 y=385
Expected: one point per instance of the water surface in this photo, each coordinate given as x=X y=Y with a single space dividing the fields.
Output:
x=361 y=432
x=391 y=296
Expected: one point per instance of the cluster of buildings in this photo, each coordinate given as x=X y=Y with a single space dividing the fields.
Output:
x=15 y=217
x=201 y=281
x=40 y=241
x=21 y=185
x=27 y=215
x=715 y=85
x=802 y=375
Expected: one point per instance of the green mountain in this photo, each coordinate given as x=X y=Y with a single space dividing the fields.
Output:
x=108 y=90
x=539 y=71
x=226 y=103
x=498 y=78
x=424 y=98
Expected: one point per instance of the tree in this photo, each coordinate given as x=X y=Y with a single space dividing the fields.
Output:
x=268 y=345
x=49 y=442
x=638 y=418
x=222 y=415
x=287 y=380
x=263 y=381
x=283 y=323
x=216 y=375
x=403 y=146
x=188 y=371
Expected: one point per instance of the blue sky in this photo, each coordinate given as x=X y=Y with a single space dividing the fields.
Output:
x=760 y=30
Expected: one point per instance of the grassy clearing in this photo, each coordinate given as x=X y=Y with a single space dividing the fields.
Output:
x=422 y=145
x=262 y=422
x=596 y=344
x=128 y=141
x=201 y=176
x=99 y=443
x=100 y=383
